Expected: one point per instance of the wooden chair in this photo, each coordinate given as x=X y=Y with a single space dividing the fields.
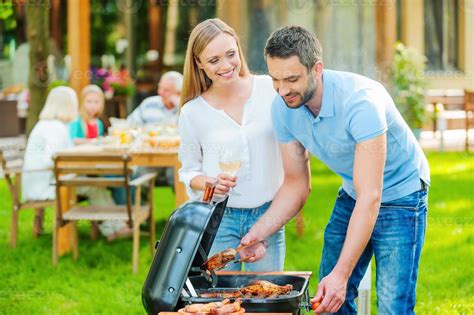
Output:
x=469 y=109
x=101 y=170
x=452 y=103
x=11 y=158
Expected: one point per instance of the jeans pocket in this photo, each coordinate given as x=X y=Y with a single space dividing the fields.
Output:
x=408 y=202
x=396 y=226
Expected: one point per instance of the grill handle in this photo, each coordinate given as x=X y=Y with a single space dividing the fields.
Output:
x=305 y=302
x=209 y=191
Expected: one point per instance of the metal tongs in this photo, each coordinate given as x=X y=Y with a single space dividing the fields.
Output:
x=242 y=247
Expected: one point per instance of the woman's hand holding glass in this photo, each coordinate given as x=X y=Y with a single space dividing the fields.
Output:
x=225 y=184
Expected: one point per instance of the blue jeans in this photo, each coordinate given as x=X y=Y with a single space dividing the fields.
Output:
x=119 y=194
x=396 y=243
x=235 y=223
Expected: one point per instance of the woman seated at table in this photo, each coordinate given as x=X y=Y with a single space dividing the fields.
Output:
x=225 y=124
x=88 y=125
x=48 y=136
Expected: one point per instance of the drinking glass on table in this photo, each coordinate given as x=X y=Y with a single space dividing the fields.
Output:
x=230 y=160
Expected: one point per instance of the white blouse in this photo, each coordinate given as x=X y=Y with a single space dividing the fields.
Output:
x=205 y=130
x=46 y=138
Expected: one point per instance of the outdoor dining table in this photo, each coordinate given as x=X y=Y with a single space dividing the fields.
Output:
x=139 y=157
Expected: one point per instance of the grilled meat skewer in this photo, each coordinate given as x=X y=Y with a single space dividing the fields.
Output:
x=220 y=260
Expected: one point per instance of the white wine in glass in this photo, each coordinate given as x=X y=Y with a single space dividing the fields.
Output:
x=230 y=160
x=230 y=167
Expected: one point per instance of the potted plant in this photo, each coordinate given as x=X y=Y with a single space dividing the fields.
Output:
x=113 y=83
x=408 y=84
x=120 y=83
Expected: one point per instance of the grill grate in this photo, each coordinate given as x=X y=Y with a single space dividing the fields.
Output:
x=223 y=291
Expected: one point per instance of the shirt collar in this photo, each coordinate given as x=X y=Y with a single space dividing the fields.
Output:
x=327 y=103
x=327 y=107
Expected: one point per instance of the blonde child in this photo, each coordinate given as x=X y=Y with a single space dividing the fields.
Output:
x=88 y=125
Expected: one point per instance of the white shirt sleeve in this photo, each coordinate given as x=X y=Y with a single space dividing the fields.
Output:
x=189 y=154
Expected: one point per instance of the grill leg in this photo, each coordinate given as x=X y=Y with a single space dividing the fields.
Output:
x=363 y=301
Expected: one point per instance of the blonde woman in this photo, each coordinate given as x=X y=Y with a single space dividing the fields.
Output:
x=48 y=136
x=88 y=125
x=226 y=107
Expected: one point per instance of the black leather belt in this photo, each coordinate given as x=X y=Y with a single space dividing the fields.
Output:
x=423 y=185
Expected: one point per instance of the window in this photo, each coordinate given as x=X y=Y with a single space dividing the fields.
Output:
x=441 y=34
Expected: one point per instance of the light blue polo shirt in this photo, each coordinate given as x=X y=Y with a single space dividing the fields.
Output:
x=355 y=109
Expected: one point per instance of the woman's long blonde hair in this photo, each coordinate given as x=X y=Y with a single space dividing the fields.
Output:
x=195 y=80
x=91 y=88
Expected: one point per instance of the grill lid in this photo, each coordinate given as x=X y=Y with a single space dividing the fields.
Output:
x=183 y=248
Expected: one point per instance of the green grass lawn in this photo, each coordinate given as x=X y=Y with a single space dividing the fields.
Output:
x=101 y=282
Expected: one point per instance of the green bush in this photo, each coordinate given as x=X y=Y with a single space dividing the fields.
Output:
x=57 y=83
x=408 y=84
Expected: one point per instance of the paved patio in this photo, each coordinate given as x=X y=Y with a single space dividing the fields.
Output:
x=452 y=140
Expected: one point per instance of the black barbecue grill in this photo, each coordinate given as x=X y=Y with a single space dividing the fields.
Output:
x=175 y=277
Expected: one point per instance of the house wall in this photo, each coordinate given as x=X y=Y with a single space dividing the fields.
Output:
x=412 y=17
x=347 y=31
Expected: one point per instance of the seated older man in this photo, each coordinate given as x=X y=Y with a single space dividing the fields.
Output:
x=161 y=109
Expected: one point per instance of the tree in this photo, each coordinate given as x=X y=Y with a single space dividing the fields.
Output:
x=37 y=17
x=7 y=22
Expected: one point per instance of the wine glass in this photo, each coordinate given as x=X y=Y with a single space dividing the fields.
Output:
x=230 y=160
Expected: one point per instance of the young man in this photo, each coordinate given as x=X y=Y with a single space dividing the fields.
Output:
x=350 y=123
x=161 y=109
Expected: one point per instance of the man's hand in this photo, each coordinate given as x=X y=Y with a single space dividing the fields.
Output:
x=252 y=253
x=226 y=181
x=331 y=293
